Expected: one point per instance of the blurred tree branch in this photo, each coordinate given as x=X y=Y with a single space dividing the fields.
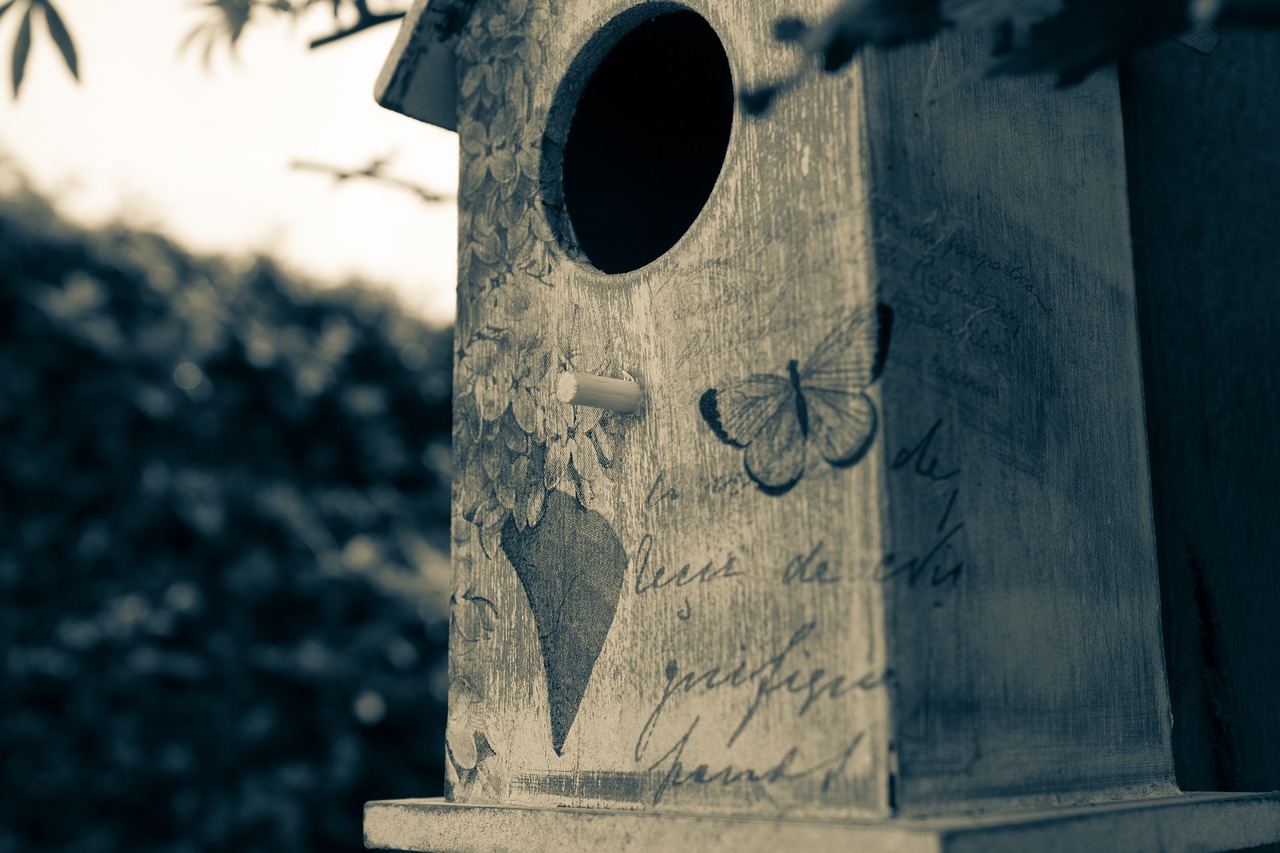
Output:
x=232 y=16
x=364 y=21
x=374 y=171
x=1068 y=38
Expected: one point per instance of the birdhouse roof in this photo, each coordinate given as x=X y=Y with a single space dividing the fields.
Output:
x=418 y=78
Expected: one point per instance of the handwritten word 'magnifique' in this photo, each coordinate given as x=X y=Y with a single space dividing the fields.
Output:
x=657 y=578
x=674 y=775
x=769 y=677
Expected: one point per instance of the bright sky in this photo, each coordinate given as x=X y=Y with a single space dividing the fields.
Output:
x=204 y=156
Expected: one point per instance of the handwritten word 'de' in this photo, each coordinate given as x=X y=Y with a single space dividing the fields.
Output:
x=920 y=461
x=675 y=775
x=657 y=578
x=927 y=469
x=808 y=568
x=769 y=677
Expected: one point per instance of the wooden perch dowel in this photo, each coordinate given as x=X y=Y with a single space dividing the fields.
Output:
x=615 y=395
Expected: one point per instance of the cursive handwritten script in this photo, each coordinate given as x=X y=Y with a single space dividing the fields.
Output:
x=674 y=775
x=812 y=567
x=937 y=563
x=769 y=677
x=651 y=578
x=924 y=467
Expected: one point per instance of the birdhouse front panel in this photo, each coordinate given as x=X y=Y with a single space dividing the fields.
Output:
x=671 y=608
x=772 y=467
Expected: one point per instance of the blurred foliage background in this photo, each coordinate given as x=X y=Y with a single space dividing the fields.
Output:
x=223 y=547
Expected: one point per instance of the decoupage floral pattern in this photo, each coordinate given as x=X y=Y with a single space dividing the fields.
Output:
x=471 y=764
x=514 y=442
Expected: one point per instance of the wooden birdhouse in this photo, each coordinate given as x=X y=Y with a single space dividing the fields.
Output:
x=800 y=465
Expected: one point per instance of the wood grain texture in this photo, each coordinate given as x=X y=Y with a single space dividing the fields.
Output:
x=1004 y=248
x=417 y=78
x=966 y=615
x=1204 y=154
x=1188 y=824
x=705 y=591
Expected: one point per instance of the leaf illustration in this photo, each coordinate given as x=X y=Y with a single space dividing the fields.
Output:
x=571 y=566
x=61 y=38
x=21 y=49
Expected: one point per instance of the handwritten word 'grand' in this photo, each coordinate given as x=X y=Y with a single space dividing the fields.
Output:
x=674 y=774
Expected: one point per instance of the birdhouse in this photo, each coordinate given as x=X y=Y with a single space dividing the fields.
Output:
x=800 y=468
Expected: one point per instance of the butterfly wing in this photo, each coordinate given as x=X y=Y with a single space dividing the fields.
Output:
x=760 y=415
x=841 y=424
x=737 y=412
x=775 y=458
x=852 y=355
x=841 y=417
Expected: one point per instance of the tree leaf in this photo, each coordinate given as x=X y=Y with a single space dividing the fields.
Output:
x=236 y=16
x=189 y=39
x=61 y=37
x=21 y=49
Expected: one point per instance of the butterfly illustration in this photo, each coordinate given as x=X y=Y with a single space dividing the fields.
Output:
x=773 y=418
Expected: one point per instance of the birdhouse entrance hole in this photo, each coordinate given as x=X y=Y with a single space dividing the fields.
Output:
x=637 y=136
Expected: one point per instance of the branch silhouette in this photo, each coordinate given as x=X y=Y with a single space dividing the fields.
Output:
x=374 y=171
x=365 y=20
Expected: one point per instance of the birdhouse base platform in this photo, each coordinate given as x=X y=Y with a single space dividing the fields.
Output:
x=1191 y=822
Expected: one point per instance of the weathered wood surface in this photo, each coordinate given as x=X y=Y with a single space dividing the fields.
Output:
x=418 y=77
x=1204 y=154
x=1191 y=824
x=965 y=616
x=1003 y=246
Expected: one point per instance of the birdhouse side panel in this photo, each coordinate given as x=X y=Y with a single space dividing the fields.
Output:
x=1025 y=605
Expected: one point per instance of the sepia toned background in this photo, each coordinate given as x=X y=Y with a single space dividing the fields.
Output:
x=226 y=290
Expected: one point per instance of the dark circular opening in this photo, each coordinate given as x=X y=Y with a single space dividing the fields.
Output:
x=646 y=140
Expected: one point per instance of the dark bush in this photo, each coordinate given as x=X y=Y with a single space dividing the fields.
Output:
x=223 y=548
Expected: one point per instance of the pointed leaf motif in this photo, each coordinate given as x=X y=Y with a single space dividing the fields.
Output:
x=571 y=566
x=61 y=38
x=21 y=49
